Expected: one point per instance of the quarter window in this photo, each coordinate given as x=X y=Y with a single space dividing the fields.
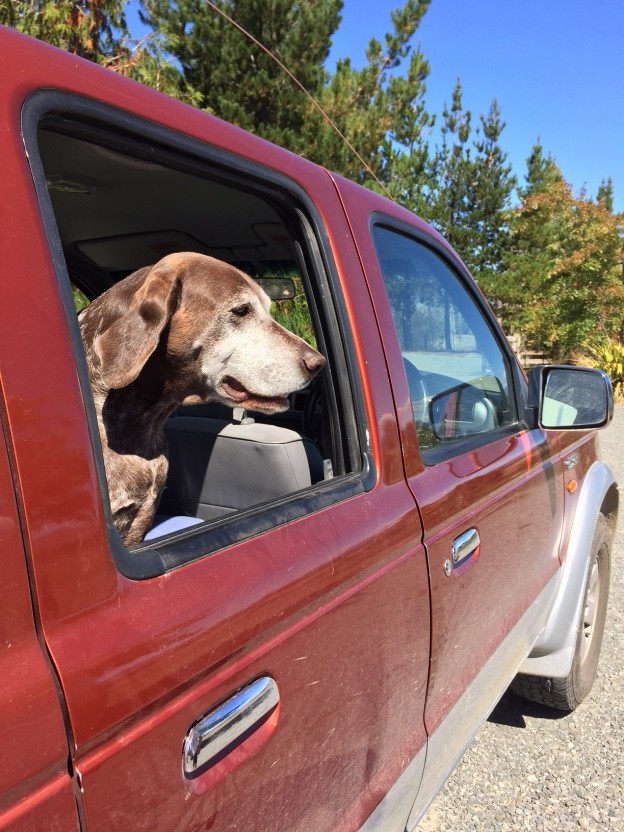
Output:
x=458 y=375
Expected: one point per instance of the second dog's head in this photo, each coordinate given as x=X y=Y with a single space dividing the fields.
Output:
x=199 y=329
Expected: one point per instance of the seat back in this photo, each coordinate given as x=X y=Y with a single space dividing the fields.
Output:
x=217 y=467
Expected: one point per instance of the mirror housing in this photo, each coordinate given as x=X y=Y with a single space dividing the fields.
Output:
x=570 y=398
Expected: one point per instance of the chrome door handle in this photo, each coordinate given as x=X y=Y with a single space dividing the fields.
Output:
x=465 y=550
x=222 y=729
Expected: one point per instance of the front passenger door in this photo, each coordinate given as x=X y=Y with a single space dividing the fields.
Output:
x=491 y=500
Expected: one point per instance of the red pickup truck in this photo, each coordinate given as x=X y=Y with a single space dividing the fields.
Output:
x=333 y=598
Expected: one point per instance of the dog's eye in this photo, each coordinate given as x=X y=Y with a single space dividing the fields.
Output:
x=242 y=310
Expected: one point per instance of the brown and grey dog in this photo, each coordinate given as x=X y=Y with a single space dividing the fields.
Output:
x=189 y=329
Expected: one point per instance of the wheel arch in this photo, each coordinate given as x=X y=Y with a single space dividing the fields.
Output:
x=610 y=508
x=553 y=652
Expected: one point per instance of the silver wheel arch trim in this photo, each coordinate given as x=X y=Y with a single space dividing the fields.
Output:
x=553 y=652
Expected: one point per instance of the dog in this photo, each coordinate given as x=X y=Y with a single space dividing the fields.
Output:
x=186 y=330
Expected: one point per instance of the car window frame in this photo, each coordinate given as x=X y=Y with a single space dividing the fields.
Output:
x=517 y=379
x=87 y=117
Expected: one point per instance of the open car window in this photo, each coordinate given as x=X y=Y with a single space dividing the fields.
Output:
x=116 y=206
x=458 y=375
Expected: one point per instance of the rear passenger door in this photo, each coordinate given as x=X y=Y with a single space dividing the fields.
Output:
x=306 y=617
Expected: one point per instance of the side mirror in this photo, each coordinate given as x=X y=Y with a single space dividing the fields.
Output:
x=565 y=398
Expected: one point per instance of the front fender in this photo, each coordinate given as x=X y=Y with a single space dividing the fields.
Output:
x=553 y=652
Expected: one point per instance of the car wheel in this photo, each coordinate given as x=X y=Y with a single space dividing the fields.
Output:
x=567 y=693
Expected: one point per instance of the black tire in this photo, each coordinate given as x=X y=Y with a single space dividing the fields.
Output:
x=567 y=693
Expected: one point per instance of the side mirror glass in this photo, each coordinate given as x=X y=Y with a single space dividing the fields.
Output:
x=572 y=397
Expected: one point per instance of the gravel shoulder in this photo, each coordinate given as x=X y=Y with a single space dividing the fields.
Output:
x=531 y=769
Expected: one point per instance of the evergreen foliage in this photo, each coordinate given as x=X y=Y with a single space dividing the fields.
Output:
x=470 y=188
x=605 y=194
x=494 y=184
x=234 y=78
x=380 y=112
x=452 y=193
x=96 y=30
x=542 y=172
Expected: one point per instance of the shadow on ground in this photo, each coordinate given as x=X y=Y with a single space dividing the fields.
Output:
x=512 y=710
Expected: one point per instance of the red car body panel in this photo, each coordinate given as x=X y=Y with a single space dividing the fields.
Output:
x=36 y=791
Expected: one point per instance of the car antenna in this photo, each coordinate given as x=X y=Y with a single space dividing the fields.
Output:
x=298 y=83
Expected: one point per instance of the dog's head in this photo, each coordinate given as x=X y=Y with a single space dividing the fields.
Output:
x=203 y=329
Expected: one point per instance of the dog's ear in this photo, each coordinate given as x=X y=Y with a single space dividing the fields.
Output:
x=126 y=345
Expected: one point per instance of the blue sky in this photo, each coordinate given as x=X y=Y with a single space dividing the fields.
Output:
x=555 y=67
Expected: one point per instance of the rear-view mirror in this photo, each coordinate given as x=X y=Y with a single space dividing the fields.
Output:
x=277 y=288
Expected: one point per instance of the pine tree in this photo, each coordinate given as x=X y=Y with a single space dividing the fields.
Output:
x=542 y=171
x=235 y=79
x=378 y=110
x=470 y=188
x=493 y=186
x=605 y=194
x=380 y=113
x=405 y=165
x=96 y=30
x=452 y=177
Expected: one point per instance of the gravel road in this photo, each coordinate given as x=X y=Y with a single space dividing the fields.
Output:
x=531 y=769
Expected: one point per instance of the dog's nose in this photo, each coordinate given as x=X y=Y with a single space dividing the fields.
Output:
x=313 y=361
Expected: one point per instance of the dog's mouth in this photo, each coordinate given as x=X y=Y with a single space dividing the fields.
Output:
x=238 y=393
